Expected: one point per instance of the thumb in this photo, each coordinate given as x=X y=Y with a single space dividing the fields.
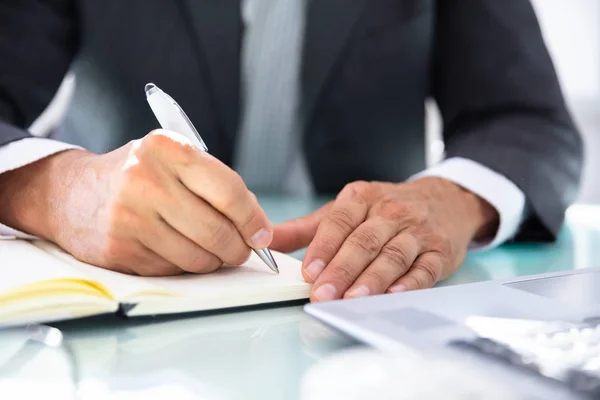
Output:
x=297 y=233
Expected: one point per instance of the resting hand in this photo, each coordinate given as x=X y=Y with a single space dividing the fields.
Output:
x=156 y=206
x=383 y=237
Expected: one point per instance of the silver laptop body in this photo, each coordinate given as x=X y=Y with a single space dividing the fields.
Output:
x=435 y=320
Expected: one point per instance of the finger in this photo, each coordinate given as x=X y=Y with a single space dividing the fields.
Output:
x=171 y=245
x=224 y=190
x=203 y=225
x=394 y=260
x=152 y=264
x=347 y=212
x=297 y=233
x=356 y=253
x=424 y=273
x=133 y=258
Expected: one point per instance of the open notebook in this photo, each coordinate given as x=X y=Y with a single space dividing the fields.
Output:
x=41 y=283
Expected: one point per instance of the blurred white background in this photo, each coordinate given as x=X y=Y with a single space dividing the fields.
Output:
x=572 y=32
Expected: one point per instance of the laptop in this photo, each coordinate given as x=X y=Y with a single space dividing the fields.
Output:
x=540 y=333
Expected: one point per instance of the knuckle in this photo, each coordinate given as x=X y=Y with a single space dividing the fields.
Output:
x=415 y=283
x=136 y=148
x=160 y=138
x=221 y=236
x=442 y=244
x=161 y=141
x=378 y=278
x=366 y=240
x=419 y=217
x=342 y=219
x=444 y=261
x=156 y=139
x=430 y=270
x=249 y=219
x=360 y=190
x=396 y=255
x=235 y=192
x=327 y=246
x=253 y=197
x=393 y=209
x=342 y=273
x=445 y=246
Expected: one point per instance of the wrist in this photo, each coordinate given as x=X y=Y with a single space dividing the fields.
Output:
x=484 y=217
x=481 y=218
x=32 y=195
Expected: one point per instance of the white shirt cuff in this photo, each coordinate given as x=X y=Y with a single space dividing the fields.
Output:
x=23 y=152
x=496 y=189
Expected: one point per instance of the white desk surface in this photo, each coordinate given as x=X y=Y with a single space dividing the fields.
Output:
x=249 y=354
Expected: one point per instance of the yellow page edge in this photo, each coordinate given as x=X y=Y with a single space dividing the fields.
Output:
x=56 y=287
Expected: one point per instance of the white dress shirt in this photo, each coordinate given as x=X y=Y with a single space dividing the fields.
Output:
x=273 y=34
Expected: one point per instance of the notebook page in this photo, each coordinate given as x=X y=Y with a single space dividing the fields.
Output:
x=253 y=276
x=21 y=264
x=252 y=284
x=253 y=279
x=120 y=285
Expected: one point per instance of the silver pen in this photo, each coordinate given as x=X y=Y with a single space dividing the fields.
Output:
x=171 y=117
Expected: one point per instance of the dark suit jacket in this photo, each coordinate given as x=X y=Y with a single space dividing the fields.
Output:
x=368 y=67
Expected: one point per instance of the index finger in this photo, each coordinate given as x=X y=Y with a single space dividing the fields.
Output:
x=347 y=212
x=224 y=190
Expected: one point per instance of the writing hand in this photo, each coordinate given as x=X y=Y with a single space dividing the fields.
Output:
x=156 y=206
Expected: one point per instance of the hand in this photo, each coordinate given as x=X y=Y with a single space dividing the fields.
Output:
x=383 y=237
x=157 y=206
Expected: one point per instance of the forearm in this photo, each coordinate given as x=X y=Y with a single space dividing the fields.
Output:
x=31 y=195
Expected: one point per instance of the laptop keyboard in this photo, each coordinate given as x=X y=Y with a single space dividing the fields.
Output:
x=565 y=352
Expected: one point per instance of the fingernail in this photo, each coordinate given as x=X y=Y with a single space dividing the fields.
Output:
x=261 y=239
x=397 y=289
x=325 y=292
x=361 y=291
x=314 y=269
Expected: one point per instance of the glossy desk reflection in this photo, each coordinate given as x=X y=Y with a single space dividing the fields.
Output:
x=260 y=354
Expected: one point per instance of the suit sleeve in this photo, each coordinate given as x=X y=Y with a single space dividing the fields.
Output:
x=38 y=40
x=502 y=105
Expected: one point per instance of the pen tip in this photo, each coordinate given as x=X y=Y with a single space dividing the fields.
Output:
x=273 y=262
x=268 y=259
x=150 y=88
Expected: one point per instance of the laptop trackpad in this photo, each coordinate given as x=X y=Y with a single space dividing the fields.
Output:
x=582 y=289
